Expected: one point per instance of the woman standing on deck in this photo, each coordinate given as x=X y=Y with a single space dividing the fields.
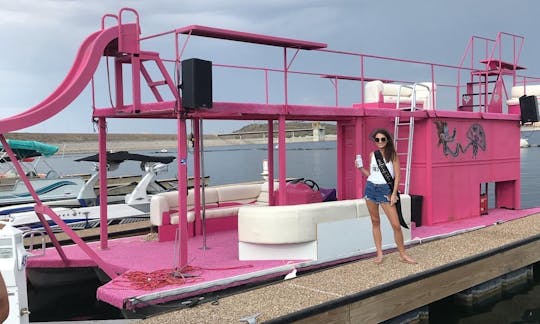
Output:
x=378 y=192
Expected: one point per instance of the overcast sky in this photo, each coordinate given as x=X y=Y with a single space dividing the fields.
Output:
x=39 y=39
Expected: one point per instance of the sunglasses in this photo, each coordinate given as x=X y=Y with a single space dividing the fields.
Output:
x=380 y=139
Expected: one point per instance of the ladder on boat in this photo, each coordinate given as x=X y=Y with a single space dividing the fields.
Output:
x=405 y=125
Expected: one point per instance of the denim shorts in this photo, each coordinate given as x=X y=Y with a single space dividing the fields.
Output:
x=377 y=192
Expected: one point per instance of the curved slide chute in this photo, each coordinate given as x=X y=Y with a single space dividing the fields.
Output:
x=78 y=77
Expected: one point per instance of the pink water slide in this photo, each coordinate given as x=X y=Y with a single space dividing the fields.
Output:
x=78 y=77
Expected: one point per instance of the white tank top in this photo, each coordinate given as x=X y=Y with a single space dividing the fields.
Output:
x=375 y=175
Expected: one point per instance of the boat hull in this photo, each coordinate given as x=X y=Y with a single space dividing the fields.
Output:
x=15 y=191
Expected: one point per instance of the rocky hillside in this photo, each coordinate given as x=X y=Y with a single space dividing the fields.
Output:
x=291 y=125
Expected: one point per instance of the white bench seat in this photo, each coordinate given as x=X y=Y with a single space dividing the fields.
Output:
x=307 y=231
x=387 y=93
x=521 y=90
x=220 y=201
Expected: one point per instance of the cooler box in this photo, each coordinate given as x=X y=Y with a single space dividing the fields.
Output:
x=298 y=193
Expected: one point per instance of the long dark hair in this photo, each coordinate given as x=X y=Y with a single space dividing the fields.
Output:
x=389 y=149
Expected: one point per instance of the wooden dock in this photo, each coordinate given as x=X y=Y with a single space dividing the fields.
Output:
x=363 y=292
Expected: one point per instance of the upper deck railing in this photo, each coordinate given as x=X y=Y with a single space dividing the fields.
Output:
x=265 y=75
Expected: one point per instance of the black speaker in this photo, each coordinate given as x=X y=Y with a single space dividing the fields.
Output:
x=196 y=84
x=528 y=106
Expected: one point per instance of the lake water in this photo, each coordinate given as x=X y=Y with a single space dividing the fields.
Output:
x=317 y=161
x=232 y=164
x=310 y=160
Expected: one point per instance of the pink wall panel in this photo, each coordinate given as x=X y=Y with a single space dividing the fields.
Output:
x=452 y=157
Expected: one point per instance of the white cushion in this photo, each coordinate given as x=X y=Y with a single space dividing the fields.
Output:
x=424 y=93
x=230 y=196
x=529 y=90
x=376 y=89
x=158 y=204
x=167 y=201
x=298 y=223
x=264 y=197
x=239 y=193
x=190 y=217
x=512 y=102
x=392 y=89
x=393 y=99
x=515 y=101
x=289 y=224
x=210 y=196
x=373 y=89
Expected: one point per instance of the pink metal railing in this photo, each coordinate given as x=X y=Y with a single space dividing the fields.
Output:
x=494 y=52
x=492 y=48
x=287 y=70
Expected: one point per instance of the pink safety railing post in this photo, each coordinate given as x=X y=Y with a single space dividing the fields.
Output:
x=335 y=83
x=119 y=83
x=197 y=174
x=362 y=86
x=182 y=188
x=433 y=90
x=136 y=82
x=134 y=47
x=266 y=89
x=103 y=212
x=270 y=147
x=282 y=148
x=282 y=145
x=115 y=17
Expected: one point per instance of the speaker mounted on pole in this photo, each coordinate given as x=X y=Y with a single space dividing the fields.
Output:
x=196 y=84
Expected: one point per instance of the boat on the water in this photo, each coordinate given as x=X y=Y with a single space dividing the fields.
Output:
x=49 y=184
x=262 y=231
x=83 y=212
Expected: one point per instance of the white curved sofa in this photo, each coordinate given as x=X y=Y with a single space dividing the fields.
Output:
x=521 y=90
x=221 y=202
x=386 y=94
x=312 y=231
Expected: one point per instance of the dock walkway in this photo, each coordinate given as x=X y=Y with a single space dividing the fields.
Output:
x=363 y=292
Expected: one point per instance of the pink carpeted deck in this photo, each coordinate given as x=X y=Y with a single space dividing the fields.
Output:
x=215 y=268
x=211 y=266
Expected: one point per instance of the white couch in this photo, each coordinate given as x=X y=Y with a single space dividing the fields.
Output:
x=312 y=231
x=387 y=93
x=521 y=90
x=220 y=201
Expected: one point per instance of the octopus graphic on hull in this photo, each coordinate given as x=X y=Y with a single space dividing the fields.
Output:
x=475 y=135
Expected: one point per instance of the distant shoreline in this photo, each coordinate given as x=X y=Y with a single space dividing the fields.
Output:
x=81 y=143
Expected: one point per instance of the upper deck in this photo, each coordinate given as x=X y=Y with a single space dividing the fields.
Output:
x=302 y=80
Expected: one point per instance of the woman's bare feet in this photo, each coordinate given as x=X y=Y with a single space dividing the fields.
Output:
x=407 y=259
x=378 y=259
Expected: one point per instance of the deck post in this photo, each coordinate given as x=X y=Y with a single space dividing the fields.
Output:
x=271 y=200
x=102 y=139
x=182 y=190
x=197 y=174
x=282 y=153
